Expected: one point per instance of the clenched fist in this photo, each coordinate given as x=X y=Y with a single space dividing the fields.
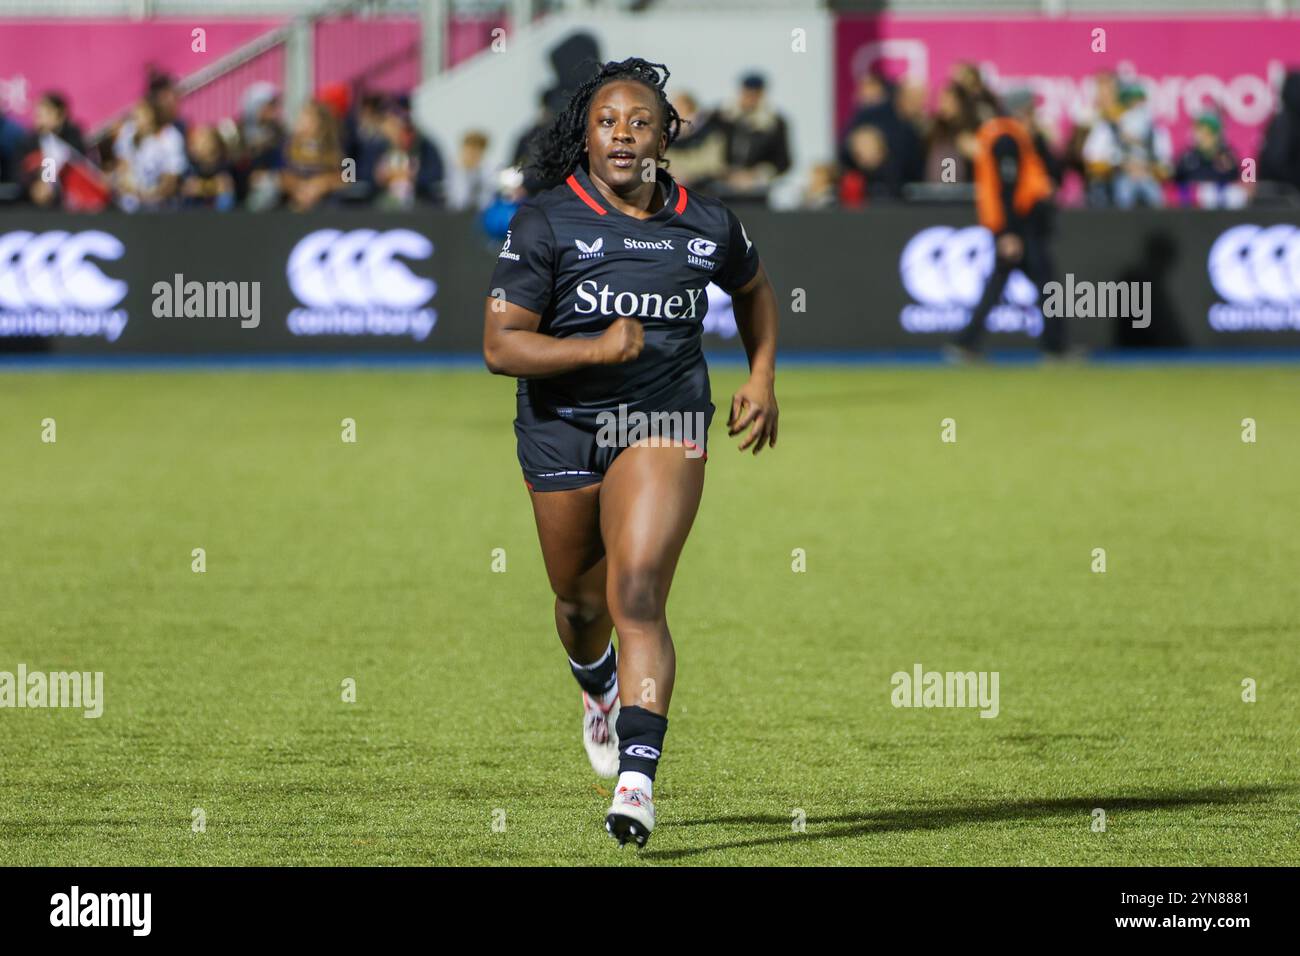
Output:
x=621 y=342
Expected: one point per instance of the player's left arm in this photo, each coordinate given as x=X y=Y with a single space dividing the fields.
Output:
x=754 y=403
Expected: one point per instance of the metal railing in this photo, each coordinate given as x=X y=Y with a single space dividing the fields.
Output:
x=284 y=57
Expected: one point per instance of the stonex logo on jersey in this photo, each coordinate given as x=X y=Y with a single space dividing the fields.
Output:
x=656 y=244
x=597 y=299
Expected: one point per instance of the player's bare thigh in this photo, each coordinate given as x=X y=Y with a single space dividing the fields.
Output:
x=648 y=502
x=568 y=528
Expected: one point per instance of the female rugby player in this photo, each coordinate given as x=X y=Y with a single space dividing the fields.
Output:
x=597 y=307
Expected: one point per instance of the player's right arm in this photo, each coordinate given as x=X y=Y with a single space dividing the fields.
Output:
x=522 y=287
x=513 y=346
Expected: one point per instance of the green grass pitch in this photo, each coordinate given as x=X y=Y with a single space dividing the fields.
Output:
x=1120 y=691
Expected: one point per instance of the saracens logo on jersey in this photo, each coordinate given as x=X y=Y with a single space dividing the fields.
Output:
x=597 y=299
x=698 y=251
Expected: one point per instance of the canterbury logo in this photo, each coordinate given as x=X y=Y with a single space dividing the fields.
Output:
x=642 y=751
x=359 y=269
x=945 y=270
x=946 y=266
x=49 y=271
x=1255 y=264
x=1256 y=271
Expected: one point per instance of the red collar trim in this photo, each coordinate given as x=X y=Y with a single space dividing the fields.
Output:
x=582 y=194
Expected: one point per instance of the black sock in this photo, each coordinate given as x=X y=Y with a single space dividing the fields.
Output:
x=640 y=740
x=597 y=679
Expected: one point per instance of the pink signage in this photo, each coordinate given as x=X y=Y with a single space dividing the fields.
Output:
x=101 y=65
x=1187 y=65
x=384 y=54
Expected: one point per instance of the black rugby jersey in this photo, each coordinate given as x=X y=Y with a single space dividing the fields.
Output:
x=580 y=263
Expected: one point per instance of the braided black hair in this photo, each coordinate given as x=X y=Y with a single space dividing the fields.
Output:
x=558 y=149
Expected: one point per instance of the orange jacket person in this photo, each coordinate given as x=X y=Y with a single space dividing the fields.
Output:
x=1013 y=199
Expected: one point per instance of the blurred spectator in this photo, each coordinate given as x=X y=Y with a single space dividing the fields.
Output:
x=12 y=135
x=150 y=161
x=1013 y=200
x=1095 y=172
x=758 y=149
x=982 y=99
x=874 y=101
x=471 y=184
x=698 y=157
x=262 y=131
x=1146 y=151
x=1132 y=153
x=822 y=189
x=909 y=105
x=397 y=169
x=371 y=142
x=166 y=99
x=510 y=193
x=951 y=136
x=430 y=171
x=1279 y=157
x=887 y=109
x=869 y=176
x=208 y=184
x=262 y=138
x=313 y=159
x=1019 y=105
x=53 y=135
x=1208 y=167
x=338 y=100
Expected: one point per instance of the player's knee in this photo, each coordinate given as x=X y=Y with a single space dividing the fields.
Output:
x=580 y=610
x=639 y=595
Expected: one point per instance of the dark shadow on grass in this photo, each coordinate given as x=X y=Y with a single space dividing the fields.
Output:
x=934 y=818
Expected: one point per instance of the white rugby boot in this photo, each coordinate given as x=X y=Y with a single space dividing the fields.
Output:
x=599 y=736
x=631 y=816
